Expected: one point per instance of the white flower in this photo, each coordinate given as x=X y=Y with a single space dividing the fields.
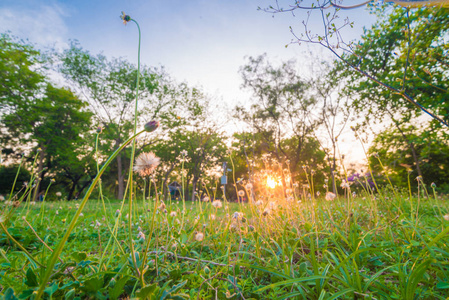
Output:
x=344 y=184
x=173 y=214
x=217 y=204
x=212 y=217
x=145 y=164
x=199 y=236
x=241 y=193
x=2 y=198
x=446 y=217
x=58 y=194
x=330 y=196
x=258 y=203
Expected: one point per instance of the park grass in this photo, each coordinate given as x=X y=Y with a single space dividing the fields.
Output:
x=376 y=246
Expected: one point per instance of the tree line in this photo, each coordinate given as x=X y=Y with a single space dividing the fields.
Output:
x=61 y=129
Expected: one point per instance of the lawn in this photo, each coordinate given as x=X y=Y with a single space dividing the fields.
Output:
x=372 y=246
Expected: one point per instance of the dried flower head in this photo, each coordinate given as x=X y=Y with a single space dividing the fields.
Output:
x=146 y=162
x=241 y=193
x=125 y=18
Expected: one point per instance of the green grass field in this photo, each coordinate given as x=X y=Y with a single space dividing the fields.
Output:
x=381 y=246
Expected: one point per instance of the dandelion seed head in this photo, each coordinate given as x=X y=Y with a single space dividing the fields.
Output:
x=145 y=163
x=217 y=204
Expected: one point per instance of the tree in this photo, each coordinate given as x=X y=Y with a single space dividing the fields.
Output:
x=55 y=124
x=282 y=111
x=35 y=114
x=395 y=154
x=109 y=87
x=191 y=134
x=404 y=50
x=333 y=40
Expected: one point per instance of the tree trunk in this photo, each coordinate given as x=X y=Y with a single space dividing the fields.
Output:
x=194 y=182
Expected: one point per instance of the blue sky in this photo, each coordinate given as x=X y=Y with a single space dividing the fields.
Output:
x=203 y=42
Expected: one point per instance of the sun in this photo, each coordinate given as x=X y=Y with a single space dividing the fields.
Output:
x=271 y=182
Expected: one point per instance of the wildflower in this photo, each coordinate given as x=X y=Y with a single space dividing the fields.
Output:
x=97 y=224
x=237 y=215
x=217 y=204
x=199 y=236
x=212 y=217
x=433 y=185
x=419 y=178
x=344 y=184
x=249 y=186
x=57 y=212
x=141 y=236
x=183 y=153
x=259 y=202
x=58 y=194
x=266 y=212
x=330 y=196
x=32 y=202
x=63 y=220
x=206 y=199
x=99 y=129
x=2 y=198
x=241 y=193
x=81 y=214
x=318 y=193
x=446 y=217
x=173 y=214
x=146 y=162
x=125 y=18
x=52 y=180
x=354 y=194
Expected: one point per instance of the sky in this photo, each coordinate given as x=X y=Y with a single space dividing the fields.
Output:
x=202 y=42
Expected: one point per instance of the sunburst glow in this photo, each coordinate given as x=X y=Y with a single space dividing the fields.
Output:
x=271 y=182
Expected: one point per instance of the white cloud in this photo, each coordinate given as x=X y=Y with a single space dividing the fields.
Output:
x=43 y=25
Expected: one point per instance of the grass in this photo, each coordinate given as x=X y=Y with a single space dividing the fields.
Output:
x=384 y=248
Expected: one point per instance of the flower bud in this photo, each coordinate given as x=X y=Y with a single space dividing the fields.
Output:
x=151 y=126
